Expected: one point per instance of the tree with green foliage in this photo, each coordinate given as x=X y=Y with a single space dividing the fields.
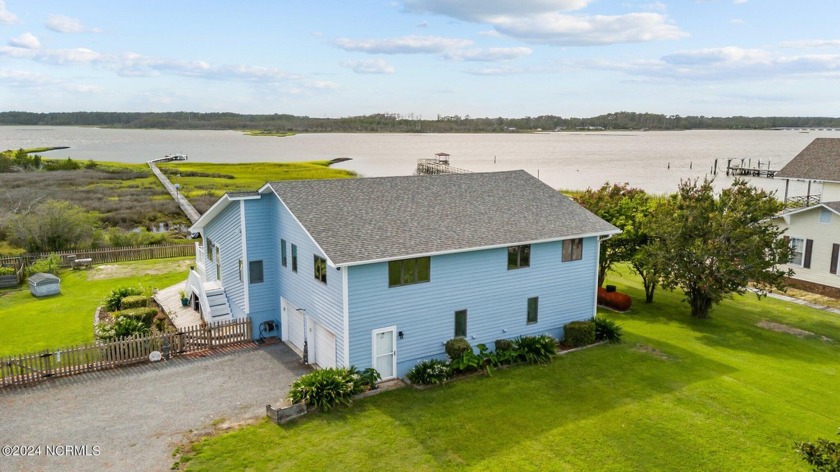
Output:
x=713 y=247
x=823 y=456
x=53 y=226
x=624 y=207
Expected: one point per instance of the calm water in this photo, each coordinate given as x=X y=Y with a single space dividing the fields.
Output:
x=562 y=160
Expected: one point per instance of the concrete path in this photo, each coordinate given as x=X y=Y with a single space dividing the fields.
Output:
x=132 y=418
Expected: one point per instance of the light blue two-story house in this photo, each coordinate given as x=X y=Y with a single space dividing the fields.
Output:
x=381 y=272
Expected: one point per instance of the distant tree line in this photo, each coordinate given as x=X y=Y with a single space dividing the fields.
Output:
x=398 y=123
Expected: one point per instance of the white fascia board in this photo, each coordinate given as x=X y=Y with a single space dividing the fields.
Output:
x=217 y=208
x=788 y=214
x=481 y=248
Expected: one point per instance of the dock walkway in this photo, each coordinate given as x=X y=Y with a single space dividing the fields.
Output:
x=182 y=202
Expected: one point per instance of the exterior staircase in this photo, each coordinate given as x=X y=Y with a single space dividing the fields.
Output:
x=218 y=308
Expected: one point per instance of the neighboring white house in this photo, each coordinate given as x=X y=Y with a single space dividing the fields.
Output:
x=814 y=230
x=814 y=235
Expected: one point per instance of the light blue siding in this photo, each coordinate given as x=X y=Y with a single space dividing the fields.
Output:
x=496 y=300
x=322 y=302
x=261 y=237
x=224 y=231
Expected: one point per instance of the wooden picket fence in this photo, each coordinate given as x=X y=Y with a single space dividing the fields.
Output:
x=117 y=254
x=29 y=368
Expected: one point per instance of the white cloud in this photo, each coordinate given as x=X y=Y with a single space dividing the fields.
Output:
x=486 y=10
x=369 y=66
x=402 y=45
x=488 y=54
x=550 y=21
x=34 y=80
x=6 y=16
x=812 y=43
x=66 y=24
x=558 y=29
x=728 y=63
x=54 y=56
x=26 y=41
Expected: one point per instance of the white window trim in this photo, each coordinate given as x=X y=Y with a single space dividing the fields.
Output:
x=804 y=240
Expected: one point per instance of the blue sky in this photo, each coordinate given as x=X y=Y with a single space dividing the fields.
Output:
x=423 y=57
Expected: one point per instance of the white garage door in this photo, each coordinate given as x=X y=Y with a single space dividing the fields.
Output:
x=295 y=325
x=324 y=346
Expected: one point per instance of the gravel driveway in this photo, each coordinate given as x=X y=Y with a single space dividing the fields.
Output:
x=132 y=418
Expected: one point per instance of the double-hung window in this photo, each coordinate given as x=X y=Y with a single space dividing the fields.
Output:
x=321 y=269
x=572 y=250
x=797 y=251
x=294 y=258
x=519 y=256
x=283 y=260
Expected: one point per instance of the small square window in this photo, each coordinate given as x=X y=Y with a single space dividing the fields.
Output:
x=255 y=272
x=461 y=324
x=533 y=306
x=294 y=258
x=572 y=250
x=321 y=269
x=283 y=260
x=825 y=216
x=519 y=256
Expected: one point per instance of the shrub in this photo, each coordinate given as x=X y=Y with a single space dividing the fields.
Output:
x=607 y=330
x=824 y=455
x=324 y=388
x=7 y=271
x=430 y=372
x=535 y=349
x=468 y=362
x=365 y=379
x=615 y=300
x=51 y=265
x=503 y=345
x=455 y=348
x=144 y=315
x=114 y=300
x=121 y=327
x=579 y=333
x=134 y=301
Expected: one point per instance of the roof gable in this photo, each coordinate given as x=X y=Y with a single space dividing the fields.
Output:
x=372 y=219
x=820 y=160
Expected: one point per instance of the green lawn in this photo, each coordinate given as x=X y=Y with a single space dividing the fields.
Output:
x=678 y=394
x=30 y=324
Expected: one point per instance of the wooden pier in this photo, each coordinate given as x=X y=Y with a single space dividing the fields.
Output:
x=438 y=165
x=173 y=190
x=745 y=168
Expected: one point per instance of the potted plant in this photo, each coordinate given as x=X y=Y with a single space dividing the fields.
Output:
x=184 y=300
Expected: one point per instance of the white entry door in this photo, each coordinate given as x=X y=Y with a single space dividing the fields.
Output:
x=385 y=352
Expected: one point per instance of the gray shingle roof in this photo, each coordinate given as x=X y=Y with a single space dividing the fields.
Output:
x=820 y=160
x=833 y=205
x=367 y=219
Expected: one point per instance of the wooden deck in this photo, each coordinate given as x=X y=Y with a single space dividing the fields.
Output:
x=181 y=316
